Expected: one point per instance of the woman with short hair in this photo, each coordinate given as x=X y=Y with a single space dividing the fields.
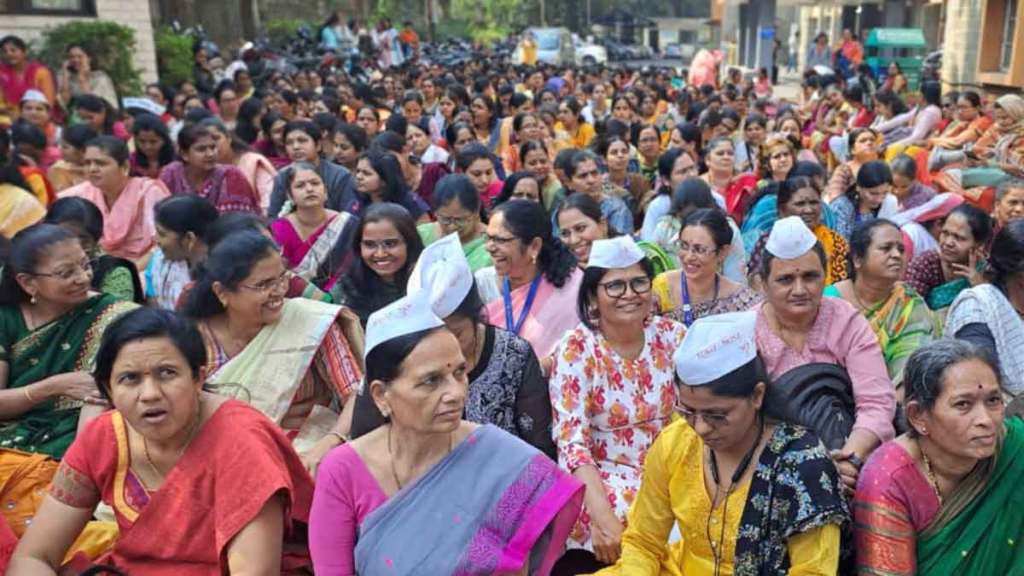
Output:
x=198 y=483
x=611 y=390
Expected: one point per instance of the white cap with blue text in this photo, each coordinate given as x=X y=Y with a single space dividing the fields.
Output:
x=715 y=346
x=790 y=238
x=619 y=252
x=443 y=273
x=407 y=315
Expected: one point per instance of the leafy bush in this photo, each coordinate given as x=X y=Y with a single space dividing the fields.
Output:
x=280 y=30
x=111 y=45
x=173 y=56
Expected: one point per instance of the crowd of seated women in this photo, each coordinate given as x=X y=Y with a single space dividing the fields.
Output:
x=508 y=320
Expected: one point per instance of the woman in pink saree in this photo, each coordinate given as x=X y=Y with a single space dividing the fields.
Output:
x=531 y=289
x=446 y=496
x=316 y=242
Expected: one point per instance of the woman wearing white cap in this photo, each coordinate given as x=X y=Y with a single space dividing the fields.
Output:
x=750 y=495
x=428 y=492
x=611 y=390
x=506 y=385
x=798 y=329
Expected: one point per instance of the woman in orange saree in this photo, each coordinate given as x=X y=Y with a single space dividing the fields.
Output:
x=199 y=484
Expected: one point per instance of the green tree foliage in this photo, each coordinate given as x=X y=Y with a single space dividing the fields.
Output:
x=173 y=56
x=111 y=45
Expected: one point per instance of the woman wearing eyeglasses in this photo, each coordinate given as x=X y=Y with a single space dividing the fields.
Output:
x=386 y=247
x=700 y=473
x=531 y=289
x=698 y=289
x=611 y=390
x=287 y=357
x=457 y=208
x=50 y=326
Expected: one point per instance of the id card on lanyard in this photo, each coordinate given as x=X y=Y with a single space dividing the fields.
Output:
x=506 y=294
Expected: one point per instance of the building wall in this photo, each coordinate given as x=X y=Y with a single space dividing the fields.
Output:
x=132 y=13
x=961 y=41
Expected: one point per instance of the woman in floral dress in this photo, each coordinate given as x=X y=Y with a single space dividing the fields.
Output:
x=612 y=393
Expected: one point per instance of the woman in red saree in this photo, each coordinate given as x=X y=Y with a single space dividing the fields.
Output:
x=18 y=74
x=199 y=484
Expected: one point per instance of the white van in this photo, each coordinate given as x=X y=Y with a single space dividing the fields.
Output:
x=554 y=46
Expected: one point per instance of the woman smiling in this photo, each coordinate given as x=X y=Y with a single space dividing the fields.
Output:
x=386 y=246
x=611 y=389
x=287 y=357
x=530 y=289
x=697 y=289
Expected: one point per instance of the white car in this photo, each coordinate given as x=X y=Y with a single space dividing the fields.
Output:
x=589 y=54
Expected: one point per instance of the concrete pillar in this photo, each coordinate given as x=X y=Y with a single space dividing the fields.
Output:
x=766 y=34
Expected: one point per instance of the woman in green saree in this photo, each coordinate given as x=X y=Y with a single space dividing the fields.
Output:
x=898 y=316
x=945 y=497
x=50 y=327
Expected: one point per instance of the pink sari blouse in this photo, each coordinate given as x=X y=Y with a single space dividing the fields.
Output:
x=552 y=315
x=840 y=335
x=128 y=225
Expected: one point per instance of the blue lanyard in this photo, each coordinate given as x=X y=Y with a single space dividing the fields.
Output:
x=507 y=296
x=688 y=315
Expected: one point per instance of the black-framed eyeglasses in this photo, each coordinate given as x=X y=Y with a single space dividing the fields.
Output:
x=70 y=272
x=617 y=288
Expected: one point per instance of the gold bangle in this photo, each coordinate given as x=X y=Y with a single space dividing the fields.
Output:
x=341 y=439
x=28 y=396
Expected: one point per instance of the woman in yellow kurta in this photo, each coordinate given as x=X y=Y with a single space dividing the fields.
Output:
x=700 y=474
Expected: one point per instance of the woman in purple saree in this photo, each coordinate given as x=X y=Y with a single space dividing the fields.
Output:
x=446 y=496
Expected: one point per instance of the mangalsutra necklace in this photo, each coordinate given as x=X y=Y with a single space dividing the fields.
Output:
x=394 y=470
x=930 y=473
x=181 y=451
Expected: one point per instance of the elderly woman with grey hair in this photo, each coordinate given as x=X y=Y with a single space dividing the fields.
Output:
x=910 y=192
x=938 y=499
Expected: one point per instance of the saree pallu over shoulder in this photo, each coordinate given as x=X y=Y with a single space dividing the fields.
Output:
x=237 y=461
x=492 y=506
x=269 y=371
x=985 y=537
x=67 y=344
x=795 y=488
x=329 y=255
